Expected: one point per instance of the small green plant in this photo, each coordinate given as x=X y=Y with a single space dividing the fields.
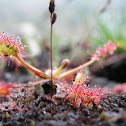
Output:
x=78 y=93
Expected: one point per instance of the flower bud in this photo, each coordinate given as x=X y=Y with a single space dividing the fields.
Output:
x=52 y=6
x=65 y=63
x=54 y=17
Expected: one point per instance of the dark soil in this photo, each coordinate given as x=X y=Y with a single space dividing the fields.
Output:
x=115 y=71
x=42 y=112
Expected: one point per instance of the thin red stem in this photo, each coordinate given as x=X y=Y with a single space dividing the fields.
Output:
x=33 y=69
x=51 y=49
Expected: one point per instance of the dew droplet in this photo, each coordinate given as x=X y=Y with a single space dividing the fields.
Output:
x=22 y=47
x=18 y=39
x=11 y=56
x=111 y=52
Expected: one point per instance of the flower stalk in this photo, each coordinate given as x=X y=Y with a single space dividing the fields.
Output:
x=52 y=21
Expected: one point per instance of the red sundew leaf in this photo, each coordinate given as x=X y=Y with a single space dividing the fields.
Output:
x=121 y=88
x=6 y=88
x=108 y=48
x=81 y=94
x=10 y=46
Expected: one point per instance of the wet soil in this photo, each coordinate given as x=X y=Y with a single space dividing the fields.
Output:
x=42 y=112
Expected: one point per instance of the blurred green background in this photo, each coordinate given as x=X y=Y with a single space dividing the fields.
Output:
x=30 y=20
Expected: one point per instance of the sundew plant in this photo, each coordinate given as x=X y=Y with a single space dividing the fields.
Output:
x=76 y=93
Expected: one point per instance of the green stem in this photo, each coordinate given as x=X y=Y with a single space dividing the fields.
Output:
x=31 y=68
x=59 y=70
x=78 y=68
